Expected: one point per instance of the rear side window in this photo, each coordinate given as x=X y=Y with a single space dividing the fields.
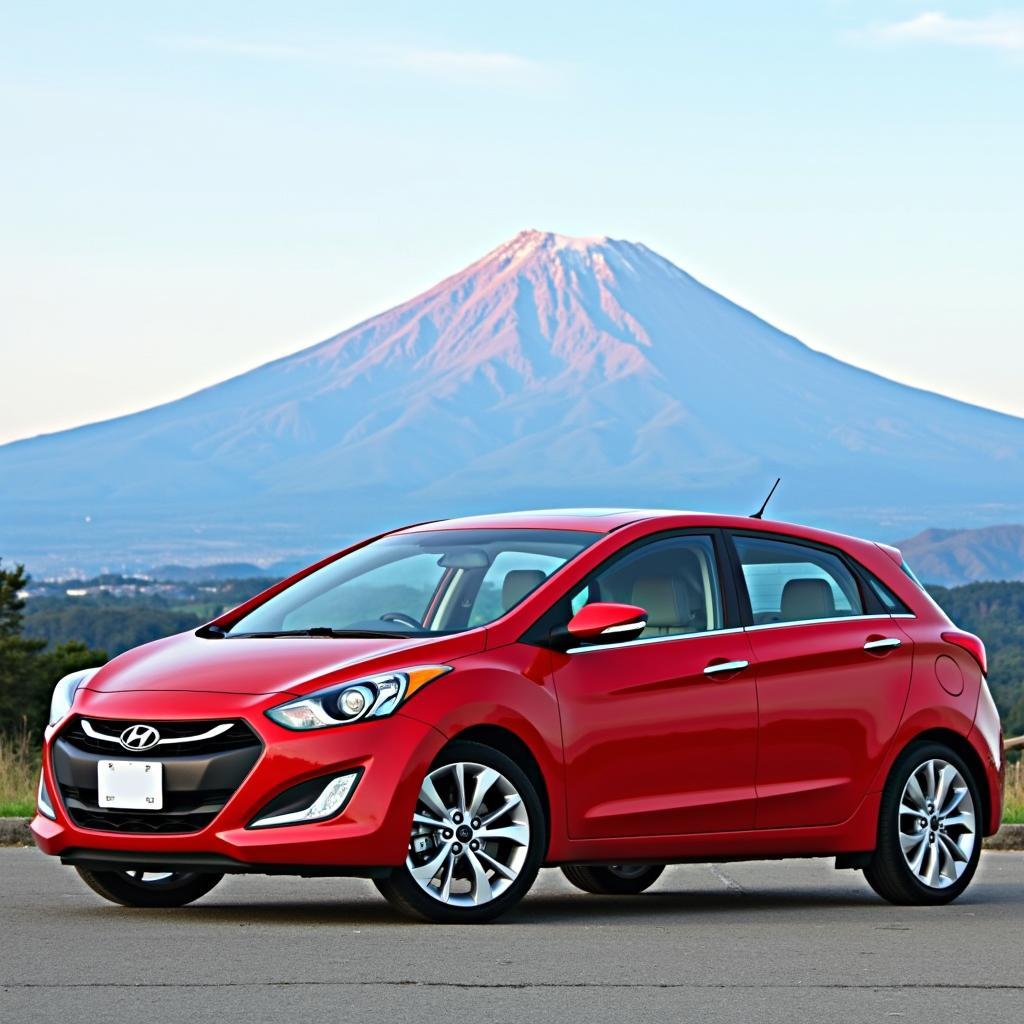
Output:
x=892 y=604
x=791 y=582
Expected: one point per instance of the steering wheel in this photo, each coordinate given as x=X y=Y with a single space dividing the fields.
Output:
x=406 y=620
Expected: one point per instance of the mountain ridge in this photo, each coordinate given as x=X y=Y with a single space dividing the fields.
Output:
x=552 y=371
x=953 y=557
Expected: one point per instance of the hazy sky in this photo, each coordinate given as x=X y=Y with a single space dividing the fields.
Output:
x=188 y=190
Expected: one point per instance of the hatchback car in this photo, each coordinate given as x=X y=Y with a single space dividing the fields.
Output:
x=449 y=707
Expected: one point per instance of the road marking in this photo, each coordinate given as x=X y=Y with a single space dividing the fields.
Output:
x=730 y=883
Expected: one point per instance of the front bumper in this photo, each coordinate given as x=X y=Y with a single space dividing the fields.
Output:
x=372 y=831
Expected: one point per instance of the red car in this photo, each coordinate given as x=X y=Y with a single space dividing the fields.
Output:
x=449 y=707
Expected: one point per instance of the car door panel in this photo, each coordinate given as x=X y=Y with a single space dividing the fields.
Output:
x=653 y=746
x=828 y=710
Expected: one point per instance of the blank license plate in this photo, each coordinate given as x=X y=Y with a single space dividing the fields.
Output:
x=131 y=785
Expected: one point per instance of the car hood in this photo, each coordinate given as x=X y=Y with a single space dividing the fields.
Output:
x=270 y=665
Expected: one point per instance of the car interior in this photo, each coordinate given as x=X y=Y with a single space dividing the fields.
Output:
x=673 y=582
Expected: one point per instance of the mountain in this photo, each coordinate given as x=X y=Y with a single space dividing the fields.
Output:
x=954 y=557
x=216 y=571
x=553 y=371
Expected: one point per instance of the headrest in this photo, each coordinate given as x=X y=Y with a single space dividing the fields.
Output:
x=518 y=583
x=664 y=600
x=807 y=599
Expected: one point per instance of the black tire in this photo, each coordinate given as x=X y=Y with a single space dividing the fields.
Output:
x=404 y=893
x=129 y=889
x=615 y=879
x=888 y=872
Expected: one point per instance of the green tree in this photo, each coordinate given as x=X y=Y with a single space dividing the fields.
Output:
x=28 y=671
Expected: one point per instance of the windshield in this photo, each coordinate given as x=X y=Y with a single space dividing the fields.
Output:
x=418 y=584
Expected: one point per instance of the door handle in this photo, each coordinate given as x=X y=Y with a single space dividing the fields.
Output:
x=884 y=644
x=726 y=666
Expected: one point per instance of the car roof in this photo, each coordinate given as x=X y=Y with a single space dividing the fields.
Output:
x=606 y=520
x=591 y=520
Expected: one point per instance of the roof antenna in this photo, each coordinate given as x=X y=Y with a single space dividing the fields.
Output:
x=759 y=514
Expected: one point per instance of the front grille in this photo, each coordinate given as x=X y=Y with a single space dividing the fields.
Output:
x=179 y=734
x=200 y=776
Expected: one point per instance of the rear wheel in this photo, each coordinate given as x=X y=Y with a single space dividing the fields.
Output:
x=478 y=838
x=929 y=839
x=149 y=888
x=613 y=879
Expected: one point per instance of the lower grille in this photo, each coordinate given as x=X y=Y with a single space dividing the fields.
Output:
x=197 y=784
x=178 y=815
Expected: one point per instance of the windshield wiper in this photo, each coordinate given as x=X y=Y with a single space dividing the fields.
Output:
x=327 y=631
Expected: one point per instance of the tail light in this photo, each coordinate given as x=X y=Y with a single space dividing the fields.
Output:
x=971 y=644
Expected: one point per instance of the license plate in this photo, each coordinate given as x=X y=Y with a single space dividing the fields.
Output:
x=131 y=785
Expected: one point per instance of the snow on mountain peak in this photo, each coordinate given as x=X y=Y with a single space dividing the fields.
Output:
x=532 y=240
x=539 y=310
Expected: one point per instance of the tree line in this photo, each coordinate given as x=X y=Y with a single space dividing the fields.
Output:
x=51 y=635
x=30 y=666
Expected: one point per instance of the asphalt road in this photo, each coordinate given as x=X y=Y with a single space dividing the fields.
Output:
x=786 y=941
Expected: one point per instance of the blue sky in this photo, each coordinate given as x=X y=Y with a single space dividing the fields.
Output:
x=191 y=189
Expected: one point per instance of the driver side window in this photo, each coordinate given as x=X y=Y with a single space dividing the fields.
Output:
x=674 y=580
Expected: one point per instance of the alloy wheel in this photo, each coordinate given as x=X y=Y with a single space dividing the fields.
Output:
x=937 y=823
x=470 y=836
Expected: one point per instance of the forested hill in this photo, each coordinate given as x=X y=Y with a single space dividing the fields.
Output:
x=995 y=611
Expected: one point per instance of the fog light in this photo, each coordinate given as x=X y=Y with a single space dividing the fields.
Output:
x=43 y=801
x=310 y=801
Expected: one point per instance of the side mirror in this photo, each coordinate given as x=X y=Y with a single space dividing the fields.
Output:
x=603 y=623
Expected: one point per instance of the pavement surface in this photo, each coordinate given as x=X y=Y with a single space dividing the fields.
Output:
x=757 y=942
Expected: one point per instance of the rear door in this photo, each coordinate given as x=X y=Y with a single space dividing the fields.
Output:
x=833 y=673
x=660 y=732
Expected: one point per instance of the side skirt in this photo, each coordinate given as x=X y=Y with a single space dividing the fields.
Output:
x=856 y=835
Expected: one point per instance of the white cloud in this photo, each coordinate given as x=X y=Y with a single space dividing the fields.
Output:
x=993 y=32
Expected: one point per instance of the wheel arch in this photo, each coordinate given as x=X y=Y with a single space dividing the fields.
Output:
x=964 y=748
x=515 y=747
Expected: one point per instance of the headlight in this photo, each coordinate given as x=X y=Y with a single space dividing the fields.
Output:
x=64 y=693
x=355 y=701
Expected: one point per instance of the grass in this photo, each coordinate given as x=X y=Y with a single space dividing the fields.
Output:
x=19 y=776
x=1013 y=803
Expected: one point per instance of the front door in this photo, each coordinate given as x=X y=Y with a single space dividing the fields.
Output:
x=659 y=740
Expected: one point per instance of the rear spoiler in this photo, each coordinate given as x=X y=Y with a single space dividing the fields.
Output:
x=894 y=553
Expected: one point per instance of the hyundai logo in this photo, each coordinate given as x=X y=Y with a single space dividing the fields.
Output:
x=139 y=737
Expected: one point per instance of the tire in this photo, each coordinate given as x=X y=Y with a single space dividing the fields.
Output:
x=615 y=879
x=944 y=833
x=162 y=889
x=446 y=878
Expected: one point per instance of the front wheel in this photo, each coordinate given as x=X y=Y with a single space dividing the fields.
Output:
x=614 y=879
x=929 y=841
x=149 y=888
x=478 y=838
